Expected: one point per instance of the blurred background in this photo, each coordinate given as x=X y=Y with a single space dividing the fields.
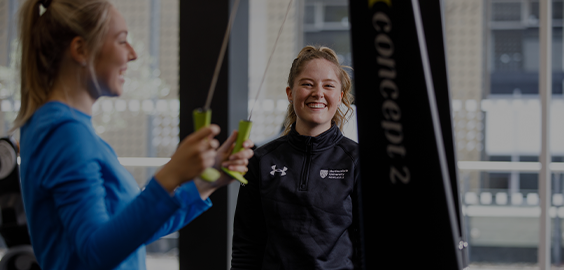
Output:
x=492 y=49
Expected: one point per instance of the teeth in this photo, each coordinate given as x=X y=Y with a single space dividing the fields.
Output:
x=316 y=105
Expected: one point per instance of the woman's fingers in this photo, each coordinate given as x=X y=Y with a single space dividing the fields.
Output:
x=228 y=144
x=214 y=144
x=206 y=144
x=203 y=135
x=238 y=168
x=248 y=144
x=240 y=158
x=205 y=132
x=228 y=164
x=200 y=149
x=243 y=154
x=208 y=158
x=194 y=154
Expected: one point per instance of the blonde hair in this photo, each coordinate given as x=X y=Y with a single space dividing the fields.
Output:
x=307 y=54
x=44 y=40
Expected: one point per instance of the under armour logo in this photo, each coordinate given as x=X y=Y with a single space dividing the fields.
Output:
x=282 y=171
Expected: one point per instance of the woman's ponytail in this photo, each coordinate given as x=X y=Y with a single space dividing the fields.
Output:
x=44 y=38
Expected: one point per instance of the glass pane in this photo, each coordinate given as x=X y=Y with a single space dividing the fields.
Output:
x=336 y=13
x=309 y=14
x=507 y=11
x=496 y=116
x=557 y=10
x=508 y=50
x=336 y=40
x=502 y=206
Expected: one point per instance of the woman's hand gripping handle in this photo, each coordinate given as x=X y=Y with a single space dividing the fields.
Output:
x=194 y=154
x=235 y=162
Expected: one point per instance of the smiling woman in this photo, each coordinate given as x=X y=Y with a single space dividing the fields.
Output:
x=114 y=55
x=299 y=209
x=84 y=209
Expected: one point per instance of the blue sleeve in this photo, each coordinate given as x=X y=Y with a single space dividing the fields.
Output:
x=73 y=177
x=192 y=206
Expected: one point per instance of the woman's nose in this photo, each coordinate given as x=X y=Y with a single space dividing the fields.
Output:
x=132 y=53
x=317 y=91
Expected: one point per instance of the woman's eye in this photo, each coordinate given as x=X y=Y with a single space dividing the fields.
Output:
x=329 y=85
x=306 y=84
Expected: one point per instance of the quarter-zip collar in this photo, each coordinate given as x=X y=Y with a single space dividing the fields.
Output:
x=311 y=144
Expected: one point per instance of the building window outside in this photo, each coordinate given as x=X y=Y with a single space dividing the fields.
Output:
x=492 y=53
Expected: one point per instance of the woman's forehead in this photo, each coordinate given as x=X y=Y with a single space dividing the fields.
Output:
x=117 y=22
x=319 y=66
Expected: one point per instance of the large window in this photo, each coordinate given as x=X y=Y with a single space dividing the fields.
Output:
x=492 y=49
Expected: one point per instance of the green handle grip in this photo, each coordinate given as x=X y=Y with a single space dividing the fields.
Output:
x=243 y=135
x=202 y=118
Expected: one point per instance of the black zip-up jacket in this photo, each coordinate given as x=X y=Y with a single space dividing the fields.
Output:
x=298 y=209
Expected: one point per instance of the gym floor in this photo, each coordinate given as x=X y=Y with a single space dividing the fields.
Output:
x=170 y=262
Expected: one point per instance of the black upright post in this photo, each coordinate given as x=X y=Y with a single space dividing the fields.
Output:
x=204 y=243
x=410 y=207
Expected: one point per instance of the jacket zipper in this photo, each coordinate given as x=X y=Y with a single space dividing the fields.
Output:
x=305 y=171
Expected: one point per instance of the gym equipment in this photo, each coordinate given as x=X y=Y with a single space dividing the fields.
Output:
x=202 y=117
x=411 y=214
x=13 y=222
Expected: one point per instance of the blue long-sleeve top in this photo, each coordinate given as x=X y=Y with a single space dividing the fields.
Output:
x=85 y=210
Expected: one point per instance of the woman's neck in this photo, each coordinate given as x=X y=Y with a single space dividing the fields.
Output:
x=70 y=90
x=313 y=131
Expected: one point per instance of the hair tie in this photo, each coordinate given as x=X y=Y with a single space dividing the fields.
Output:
x=43 y=5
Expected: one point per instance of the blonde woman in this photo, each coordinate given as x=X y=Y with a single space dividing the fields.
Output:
x=85 y=210
x=298 y=209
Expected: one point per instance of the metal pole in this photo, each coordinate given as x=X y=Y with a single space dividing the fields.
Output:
x=466 y=180
x=557 y=235
x=154 y=51
x=545 y=93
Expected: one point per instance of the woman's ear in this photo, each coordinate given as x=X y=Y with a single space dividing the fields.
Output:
x=78 y=51
x=289 y=94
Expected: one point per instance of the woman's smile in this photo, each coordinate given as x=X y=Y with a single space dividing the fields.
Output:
x=315 y=105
